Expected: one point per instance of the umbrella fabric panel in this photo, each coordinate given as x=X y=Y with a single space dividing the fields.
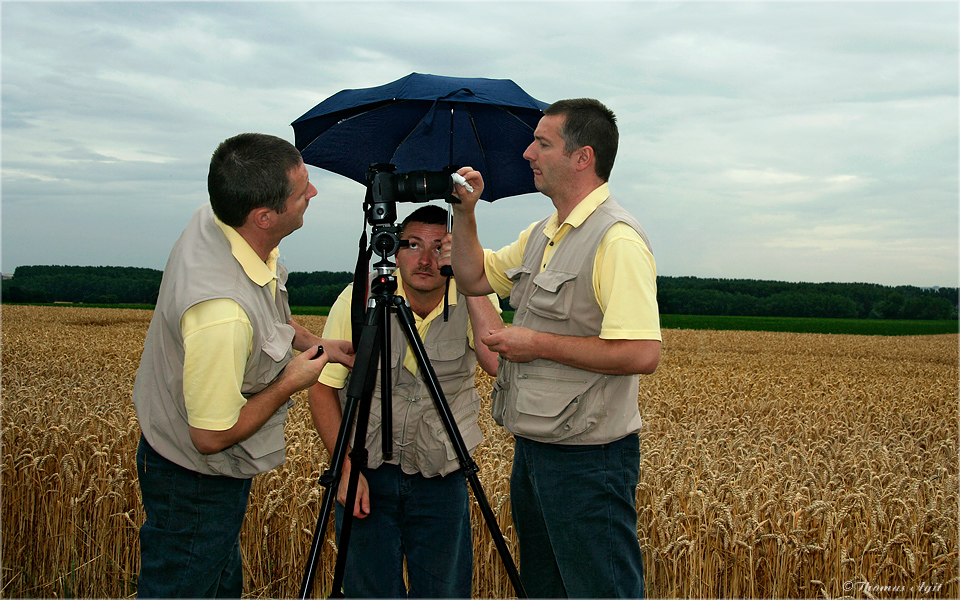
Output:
x=369 y=137
x=418 y=86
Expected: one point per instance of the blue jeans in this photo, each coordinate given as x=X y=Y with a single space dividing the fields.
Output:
x=190 y=541
x=426 y=520
x=574 y=508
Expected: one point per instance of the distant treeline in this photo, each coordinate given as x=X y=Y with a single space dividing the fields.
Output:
x=134 y=285
x=92 y=285
x=676 y=295
x=748 y=297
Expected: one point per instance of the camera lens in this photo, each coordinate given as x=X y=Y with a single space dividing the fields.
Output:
x=421 y=186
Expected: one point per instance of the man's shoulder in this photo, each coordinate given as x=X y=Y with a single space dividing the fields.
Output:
x=619 y=222
x=614 y=210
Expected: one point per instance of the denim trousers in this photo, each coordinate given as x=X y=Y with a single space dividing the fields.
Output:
x=574 y=508
x=426 y=520
x=190 y=541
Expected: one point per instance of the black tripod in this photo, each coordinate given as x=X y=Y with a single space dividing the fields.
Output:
x=374 y=342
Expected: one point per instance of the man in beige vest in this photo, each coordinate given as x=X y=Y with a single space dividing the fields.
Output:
x=583 y=283
x=414 y=506
x=217 y=370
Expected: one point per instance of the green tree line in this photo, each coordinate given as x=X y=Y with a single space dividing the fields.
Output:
x=748 y=297
x=676 y=295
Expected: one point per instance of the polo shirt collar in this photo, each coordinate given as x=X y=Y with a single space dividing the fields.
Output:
x=259 y=272
x=580 y=212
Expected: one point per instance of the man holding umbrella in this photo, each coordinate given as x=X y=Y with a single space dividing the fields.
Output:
x=583 y=283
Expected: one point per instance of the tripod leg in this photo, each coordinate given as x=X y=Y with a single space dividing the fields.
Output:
x=330 y=480
x=467 y=465
x=386 y=384
x=359 y=394
x=358 y=459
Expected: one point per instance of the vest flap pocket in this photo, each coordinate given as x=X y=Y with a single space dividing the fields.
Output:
x=443 y=350
x=472 y=437
x=435 y=451
x=552 y=281
x=268 y=439
x=516 y=272
x=552 y=295
x=277 y=341
x=553 y=404
x=548 y=392
x=450 y=362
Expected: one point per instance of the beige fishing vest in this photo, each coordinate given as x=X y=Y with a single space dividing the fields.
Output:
x=420 y=441
x=202 y=267
x=547 y=401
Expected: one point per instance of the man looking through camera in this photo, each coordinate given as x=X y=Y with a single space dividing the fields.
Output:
x=415 y=505
x=583 y=283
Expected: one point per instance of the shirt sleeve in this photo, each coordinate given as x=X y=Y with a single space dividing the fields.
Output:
x=338 y=327
x=625 y=283
x=496 y=264
x=217 y=340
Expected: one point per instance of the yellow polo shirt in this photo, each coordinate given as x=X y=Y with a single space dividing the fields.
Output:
x=217 y=341
x=624 y=271
x=339 y=327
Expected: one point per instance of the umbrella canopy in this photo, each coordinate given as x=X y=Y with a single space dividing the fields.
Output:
x=426 y=122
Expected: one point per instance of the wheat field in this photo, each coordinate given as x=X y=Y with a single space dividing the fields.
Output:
x=773 y=465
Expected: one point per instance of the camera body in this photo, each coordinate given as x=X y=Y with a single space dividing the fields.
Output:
x=387 y=187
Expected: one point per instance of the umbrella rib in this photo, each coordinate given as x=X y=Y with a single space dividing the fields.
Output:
x=383 y=105
x=476 y=135
x=414 y=128
x=514 y=115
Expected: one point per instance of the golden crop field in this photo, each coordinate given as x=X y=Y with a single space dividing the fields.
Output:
x=773 y=465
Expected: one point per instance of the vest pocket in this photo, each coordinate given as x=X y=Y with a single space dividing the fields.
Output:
x=277 y=345
x=436 y=454
x=446 y=358
x=552 y=295
x=277 y=341
x=516 y=274
x=553 y=405
x=267 y=440
x=259 y=453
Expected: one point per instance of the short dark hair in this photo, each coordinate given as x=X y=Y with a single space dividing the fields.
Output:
x=589 y=123
x=430 y=214
x=249 y=171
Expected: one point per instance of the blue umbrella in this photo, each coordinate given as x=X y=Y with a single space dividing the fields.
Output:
x=426 y=122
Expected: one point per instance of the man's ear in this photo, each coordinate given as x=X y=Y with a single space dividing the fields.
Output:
x=262 y=217
x=585 y=158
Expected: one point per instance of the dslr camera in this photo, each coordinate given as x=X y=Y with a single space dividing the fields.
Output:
x=386 y=188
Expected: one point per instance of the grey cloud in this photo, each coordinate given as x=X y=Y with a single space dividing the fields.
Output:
x=792 y=141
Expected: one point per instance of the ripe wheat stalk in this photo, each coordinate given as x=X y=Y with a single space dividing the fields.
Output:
x=773 y=465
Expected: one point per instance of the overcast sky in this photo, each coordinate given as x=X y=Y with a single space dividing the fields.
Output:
x=804 y=141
